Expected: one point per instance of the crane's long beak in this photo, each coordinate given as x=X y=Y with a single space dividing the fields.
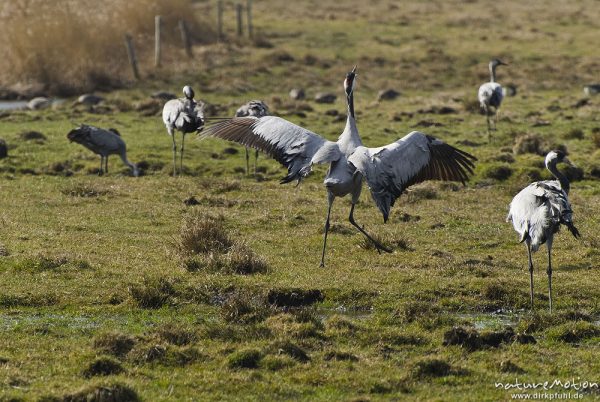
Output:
x=354 y=70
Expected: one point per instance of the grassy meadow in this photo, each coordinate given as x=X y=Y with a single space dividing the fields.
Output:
x=207 y=286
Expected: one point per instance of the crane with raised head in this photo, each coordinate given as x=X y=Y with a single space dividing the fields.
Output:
x=388 y=170
x=184 y=115
x=490 y=96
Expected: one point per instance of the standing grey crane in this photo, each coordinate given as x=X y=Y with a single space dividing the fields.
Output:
x=184 y=115
x=388 y=170
x=256 y=108
x=104 y=143
x=490 y=96
x=538 y=211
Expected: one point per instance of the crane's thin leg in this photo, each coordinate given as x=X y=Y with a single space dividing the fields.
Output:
x=247 y=162
x=106 y=164
x=255 y=160
x=530 y=273
x=330 y=198
x=101 y=165
x=489 y=129
x=174 y=155
x=378 y=245
x=549 y=271
x=181 y=156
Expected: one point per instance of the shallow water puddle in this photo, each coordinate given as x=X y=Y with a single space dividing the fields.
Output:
x=492 y=320
x=13 y=105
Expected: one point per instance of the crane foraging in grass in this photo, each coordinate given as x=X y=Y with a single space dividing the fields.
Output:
x=490 y=96
x=256 y=108
x=184 y=115
x=388 y=170
x=537 y=212
x=104 y=143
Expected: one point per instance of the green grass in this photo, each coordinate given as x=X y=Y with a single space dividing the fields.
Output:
x=95 y=273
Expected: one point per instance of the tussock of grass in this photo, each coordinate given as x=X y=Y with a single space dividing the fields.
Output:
x=244 y=307
x=596 y=137
x=574 y=332
x=507 y=366
x=340 y=356
x=28 y=300
x=244 y=359
x=294 y=297
x=400 y=338
x=153 y=292
x=227 y=186
x=104 y=392
x=574 y=134
x=32 y=136
x=202 y=234
x=529 y=143
x=277 y=362
x=290 y=349
x=339 y=323
x=176 y=334
x=431 y=368
x=498 y=172
x=425 y=191
x=114 y=343
x=83 y=190
x=169 y=355
x=43 y=263
x=505 y=157
x=287 y=325
x=102 y=366
x=205 y=245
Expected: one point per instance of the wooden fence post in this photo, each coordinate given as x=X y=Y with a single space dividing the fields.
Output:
x=220 y=19
x=249 y=14
x=238 y=11
x=157 y=41
x=185 y=38
x=131 y=55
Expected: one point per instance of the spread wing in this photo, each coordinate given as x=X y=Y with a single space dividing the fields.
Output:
x=294 y=147
x=417 y=157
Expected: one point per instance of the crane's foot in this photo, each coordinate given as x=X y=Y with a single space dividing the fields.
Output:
x=322 y=265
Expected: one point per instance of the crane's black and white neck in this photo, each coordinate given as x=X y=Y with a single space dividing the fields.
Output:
x=492 y=66
x=554 y=158
x=349 y=83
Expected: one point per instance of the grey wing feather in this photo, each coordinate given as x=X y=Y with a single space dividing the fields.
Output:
x=389 y=170
x=291 y=145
